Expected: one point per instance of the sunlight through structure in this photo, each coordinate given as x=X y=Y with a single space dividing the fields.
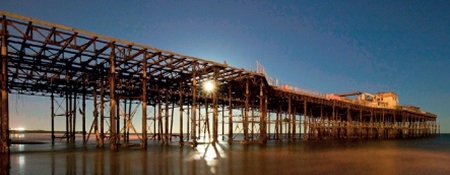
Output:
x=70 y=65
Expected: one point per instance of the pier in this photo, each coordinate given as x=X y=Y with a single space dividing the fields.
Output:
x=203 y=101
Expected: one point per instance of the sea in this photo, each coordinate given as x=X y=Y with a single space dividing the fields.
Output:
x=33 y=153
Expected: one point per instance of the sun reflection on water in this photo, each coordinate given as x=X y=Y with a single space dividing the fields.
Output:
x=211 y=153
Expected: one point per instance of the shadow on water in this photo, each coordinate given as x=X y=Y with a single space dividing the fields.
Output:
x=409 y=156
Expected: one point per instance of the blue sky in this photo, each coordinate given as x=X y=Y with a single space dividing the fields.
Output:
x=328 y=46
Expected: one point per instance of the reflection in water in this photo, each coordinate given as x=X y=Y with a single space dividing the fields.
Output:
x=21 y=161
x=331 y=157
x=17 y=136
x=211 y=153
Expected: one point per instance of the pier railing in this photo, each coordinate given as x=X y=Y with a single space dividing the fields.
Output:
x=286 y=87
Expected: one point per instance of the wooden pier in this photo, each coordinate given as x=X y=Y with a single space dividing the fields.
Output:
x=121 y=77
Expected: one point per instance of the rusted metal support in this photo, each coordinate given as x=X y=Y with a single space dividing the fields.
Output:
x=67 y=117
x=160 y=123
x=277 y=119
x=333 y=120
x=280 y=122
x=181 y=112
x=291 y=126
x=349 y=123
x=74 y=119
x=230 y=115
x=102 y=116
x=223 y=122
x=144 y=105
x=83 y=106
x=52 y=115
x=112 y=101
x=370 y=133
x=171 y=121
x=4 y=140
x=187 y=122
x=360 y=123
x=294 y=122
x=194 y=105
x=214 y=106
x=128 y=123
x=263 y=114
x=155 y=120
x=252 y=122
x=247 y=101
x=117 y=121
x=166 y=119
x=199 y=124
x=206 y=122
x=124 y=115
x=95 y=122
x=321 y=128
x=305 y=123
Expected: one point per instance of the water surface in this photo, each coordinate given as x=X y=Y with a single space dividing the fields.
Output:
x=411 y=156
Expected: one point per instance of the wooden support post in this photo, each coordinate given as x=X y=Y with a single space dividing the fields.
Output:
x=230 y=115
x=143 y=143
x=52 y=108
x=181 y=112
x=305 y=123
x=112 y=100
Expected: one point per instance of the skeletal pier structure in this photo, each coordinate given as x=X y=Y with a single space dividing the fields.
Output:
x=72 y=66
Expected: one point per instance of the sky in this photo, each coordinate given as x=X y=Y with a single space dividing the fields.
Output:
x=327 y=46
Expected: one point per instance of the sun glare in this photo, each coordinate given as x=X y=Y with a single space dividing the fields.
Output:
x=208 y=86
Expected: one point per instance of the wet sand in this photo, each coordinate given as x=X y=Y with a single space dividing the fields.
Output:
x=413 y=156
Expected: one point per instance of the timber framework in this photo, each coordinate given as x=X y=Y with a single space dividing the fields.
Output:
x=71 y=66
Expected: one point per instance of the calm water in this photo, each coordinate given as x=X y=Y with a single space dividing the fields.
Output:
x=413 y=156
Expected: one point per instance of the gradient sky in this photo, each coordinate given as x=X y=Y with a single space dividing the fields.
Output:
x=328 y=46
